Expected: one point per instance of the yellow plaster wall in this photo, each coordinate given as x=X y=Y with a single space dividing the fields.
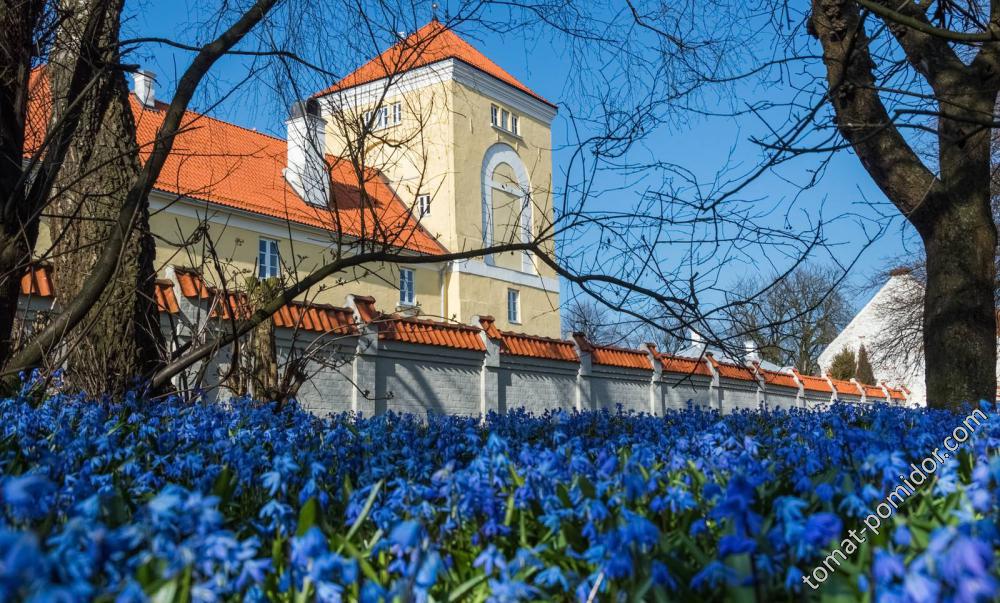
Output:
x=439 y=147
x=236 y=249
x=539 y=308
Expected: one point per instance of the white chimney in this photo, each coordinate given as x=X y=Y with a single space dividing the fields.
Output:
x=145 y=87
x=306 y=169
x=751 y=351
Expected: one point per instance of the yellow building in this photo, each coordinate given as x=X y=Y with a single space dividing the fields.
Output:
x=455 y=156
x=468 y=148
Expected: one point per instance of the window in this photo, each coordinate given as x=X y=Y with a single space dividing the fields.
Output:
x=384 y=117
x=268 y=260
x=513 y=306
x=505 y=120
x=423 y=205
x=405 y=287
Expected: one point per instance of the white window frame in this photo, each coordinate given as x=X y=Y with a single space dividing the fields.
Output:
x=383 y=118
x=407 y=287
x=268 y=258
x=506 y=120
x=514 y=306
x=423 y=205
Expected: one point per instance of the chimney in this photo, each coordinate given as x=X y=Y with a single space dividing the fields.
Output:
x=751 y=351
x=306 y=169
x=145 y=87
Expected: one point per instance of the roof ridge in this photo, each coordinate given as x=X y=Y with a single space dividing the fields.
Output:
x=451 y=46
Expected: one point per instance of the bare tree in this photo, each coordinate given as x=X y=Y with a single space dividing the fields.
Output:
x=875 y=77
x=652 y=259
x=795 y=318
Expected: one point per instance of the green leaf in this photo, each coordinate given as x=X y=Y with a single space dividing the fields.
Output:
x=365 y=510
x=307 y=516
x=460 y=591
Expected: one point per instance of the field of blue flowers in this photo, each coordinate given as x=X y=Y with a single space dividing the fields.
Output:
x=169 y=501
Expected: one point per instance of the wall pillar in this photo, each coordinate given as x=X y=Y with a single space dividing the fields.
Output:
x=364 y=369
x=800 y=396
x=861 y=390
x=656 y=383
x=716 y=397
x=583 y=393
x=489 y=376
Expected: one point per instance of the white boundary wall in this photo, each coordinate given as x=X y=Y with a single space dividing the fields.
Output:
x=364 y=374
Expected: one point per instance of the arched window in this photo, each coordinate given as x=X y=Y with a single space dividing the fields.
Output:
x=506 y=206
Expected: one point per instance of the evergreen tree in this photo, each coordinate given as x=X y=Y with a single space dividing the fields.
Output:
x=843 y=365
x=864 y=372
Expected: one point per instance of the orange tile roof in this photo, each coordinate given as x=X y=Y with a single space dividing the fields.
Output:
x=816 y=384
x=613 y=356
x=392 y=327
x=845 y=386
x=166 y=301
x=534 y=346
x=777 y=378
x=897 y=393
x=431 y=43
x=37 y=281
x=874 y=391
x=228 y=165
x=311 y=317
x=681 y=364
x=734 y=371
x=396 y=327
x=531 y=346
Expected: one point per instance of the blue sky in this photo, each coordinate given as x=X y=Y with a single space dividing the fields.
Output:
x=702 y=145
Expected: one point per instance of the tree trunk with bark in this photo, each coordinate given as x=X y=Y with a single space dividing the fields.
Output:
x=20 y=29
x=119 y=339
x=950 y=209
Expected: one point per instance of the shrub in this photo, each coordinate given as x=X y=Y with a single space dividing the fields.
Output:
x=136 y=499
x=843 y=364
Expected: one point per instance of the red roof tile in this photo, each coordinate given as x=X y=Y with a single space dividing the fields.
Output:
x=813 y=383
x=430 y=44
x=845 y=387
x=315 y=318
x=37 y=281
x=519 y=344
x=734 y=371
x=216 y=161
x=777 y=378
x=393 y=327
x=687 y=366
x=531 y=346
x=166 y=301
x=613 y=356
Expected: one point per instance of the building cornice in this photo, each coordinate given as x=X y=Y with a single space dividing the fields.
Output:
x=449 y=69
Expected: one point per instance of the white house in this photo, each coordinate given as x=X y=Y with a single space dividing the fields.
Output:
x=890 y=327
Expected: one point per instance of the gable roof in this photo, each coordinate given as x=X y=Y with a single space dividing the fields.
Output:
x=430 y=44
x=235 y=167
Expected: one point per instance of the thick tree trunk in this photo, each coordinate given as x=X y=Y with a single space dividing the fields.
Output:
x=19 y=24
x=960 y=239
x=119 y=339
x=960 y=333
